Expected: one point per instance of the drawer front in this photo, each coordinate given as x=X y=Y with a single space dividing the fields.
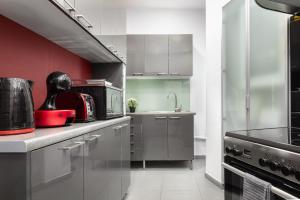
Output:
x=57 y=171
x=95 y=175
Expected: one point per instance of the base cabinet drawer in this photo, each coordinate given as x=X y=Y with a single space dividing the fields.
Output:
x=57 y=171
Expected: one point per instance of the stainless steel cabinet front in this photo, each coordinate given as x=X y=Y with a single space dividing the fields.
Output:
x=135 y=55
x=181 y=55
x=95 y=176
x=181 y=137
x=136 y=138
x=125 y=157
x=155 y=129
x=156 y=55
x=57 y=171
x=113 y=146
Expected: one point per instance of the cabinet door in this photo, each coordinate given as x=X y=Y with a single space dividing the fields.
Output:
x=136 y=138
x=125 y=157
x=268 y=68
x=181 y=55
x=234 y=60
x=113 y=146
x=95 y=178
x=88 y=13
x=181 y=137
x=57 y=171
x=156 y=55
x=135 y=55
x=155 y=130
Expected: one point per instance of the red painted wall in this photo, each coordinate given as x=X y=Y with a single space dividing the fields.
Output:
x=25 y=54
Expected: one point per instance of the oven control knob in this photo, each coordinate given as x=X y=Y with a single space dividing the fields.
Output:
x=237 y=152
x=263 y=162
x=228 y=149
x=274 y=165
x=287 y=170
x=297 y=175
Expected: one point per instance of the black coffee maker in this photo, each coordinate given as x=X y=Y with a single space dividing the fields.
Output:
x=16 y=106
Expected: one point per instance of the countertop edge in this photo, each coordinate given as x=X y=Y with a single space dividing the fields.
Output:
x=27 y=145
x=157 y=113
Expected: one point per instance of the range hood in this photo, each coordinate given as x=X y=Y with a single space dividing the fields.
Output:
x=285 y=6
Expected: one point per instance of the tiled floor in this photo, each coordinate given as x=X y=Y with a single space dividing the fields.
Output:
x=172 y=181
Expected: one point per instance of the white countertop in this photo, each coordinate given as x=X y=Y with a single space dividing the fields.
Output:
x=47 y=136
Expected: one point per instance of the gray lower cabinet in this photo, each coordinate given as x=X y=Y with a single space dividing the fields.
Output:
x=94 y=166
x=155 y=129
x=95 y=169
x=136 y=138
x=57 y=171
x=125 y=148
x=181 y=137
x=162 y=137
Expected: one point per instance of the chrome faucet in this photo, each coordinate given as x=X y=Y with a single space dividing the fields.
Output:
x=177 y=109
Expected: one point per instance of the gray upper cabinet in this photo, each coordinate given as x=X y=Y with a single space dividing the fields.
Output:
x=160 y=55
x=156 y=55
x=155 y=130
x=57 y=171
x=181 y=55
x=135 y=55
x=181 y=137
x=95 y=181
x=88 y=14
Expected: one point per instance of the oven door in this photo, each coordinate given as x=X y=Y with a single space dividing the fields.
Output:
x=234 y=181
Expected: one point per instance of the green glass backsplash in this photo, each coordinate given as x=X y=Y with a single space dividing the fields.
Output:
x=152 y=94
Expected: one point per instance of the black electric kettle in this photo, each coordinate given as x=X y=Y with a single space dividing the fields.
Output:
x=16 y=106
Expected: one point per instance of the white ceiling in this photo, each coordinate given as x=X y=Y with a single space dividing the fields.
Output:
x=174 y=4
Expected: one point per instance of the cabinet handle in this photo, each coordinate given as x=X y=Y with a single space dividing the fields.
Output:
x=89 y=25
x=124 y=125
x=71 y=9
x=93 y=138
x=131 y=151
x=161 y=74
x=175 y=117
x=175 y=74
x=117 y=128
x=160 y=117
x=138 y=74
x=74 y=146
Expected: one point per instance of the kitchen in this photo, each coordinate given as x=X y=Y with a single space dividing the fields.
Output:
x=111 y=99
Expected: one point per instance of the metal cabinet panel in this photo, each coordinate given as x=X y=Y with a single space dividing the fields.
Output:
x=113 y=146
x=181 y=137
x=181 y=55
x=136 y=138
x=155 y=130
x=87 y=13
x=57 y=171
x=125 y=157
x=135 y=55
x=95 y=176
x=156 y=55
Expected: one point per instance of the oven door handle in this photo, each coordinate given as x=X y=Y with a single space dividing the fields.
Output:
x=275 y=190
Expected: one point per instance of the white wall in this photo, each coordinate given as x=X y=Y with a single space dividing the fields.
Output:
x=214 y=142
x=174 y=21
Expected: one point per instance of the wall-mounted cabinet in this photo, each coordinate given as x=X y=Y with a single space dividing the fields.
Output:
x=72 y=24
x=160 y=55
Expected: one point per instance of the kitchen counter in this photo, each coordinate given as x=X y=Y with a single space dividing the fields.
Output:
x=162 y=113
x=47 y=136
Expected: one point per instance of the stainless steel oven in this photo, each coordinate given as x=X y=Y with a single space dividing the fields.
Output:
x=266 y=154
